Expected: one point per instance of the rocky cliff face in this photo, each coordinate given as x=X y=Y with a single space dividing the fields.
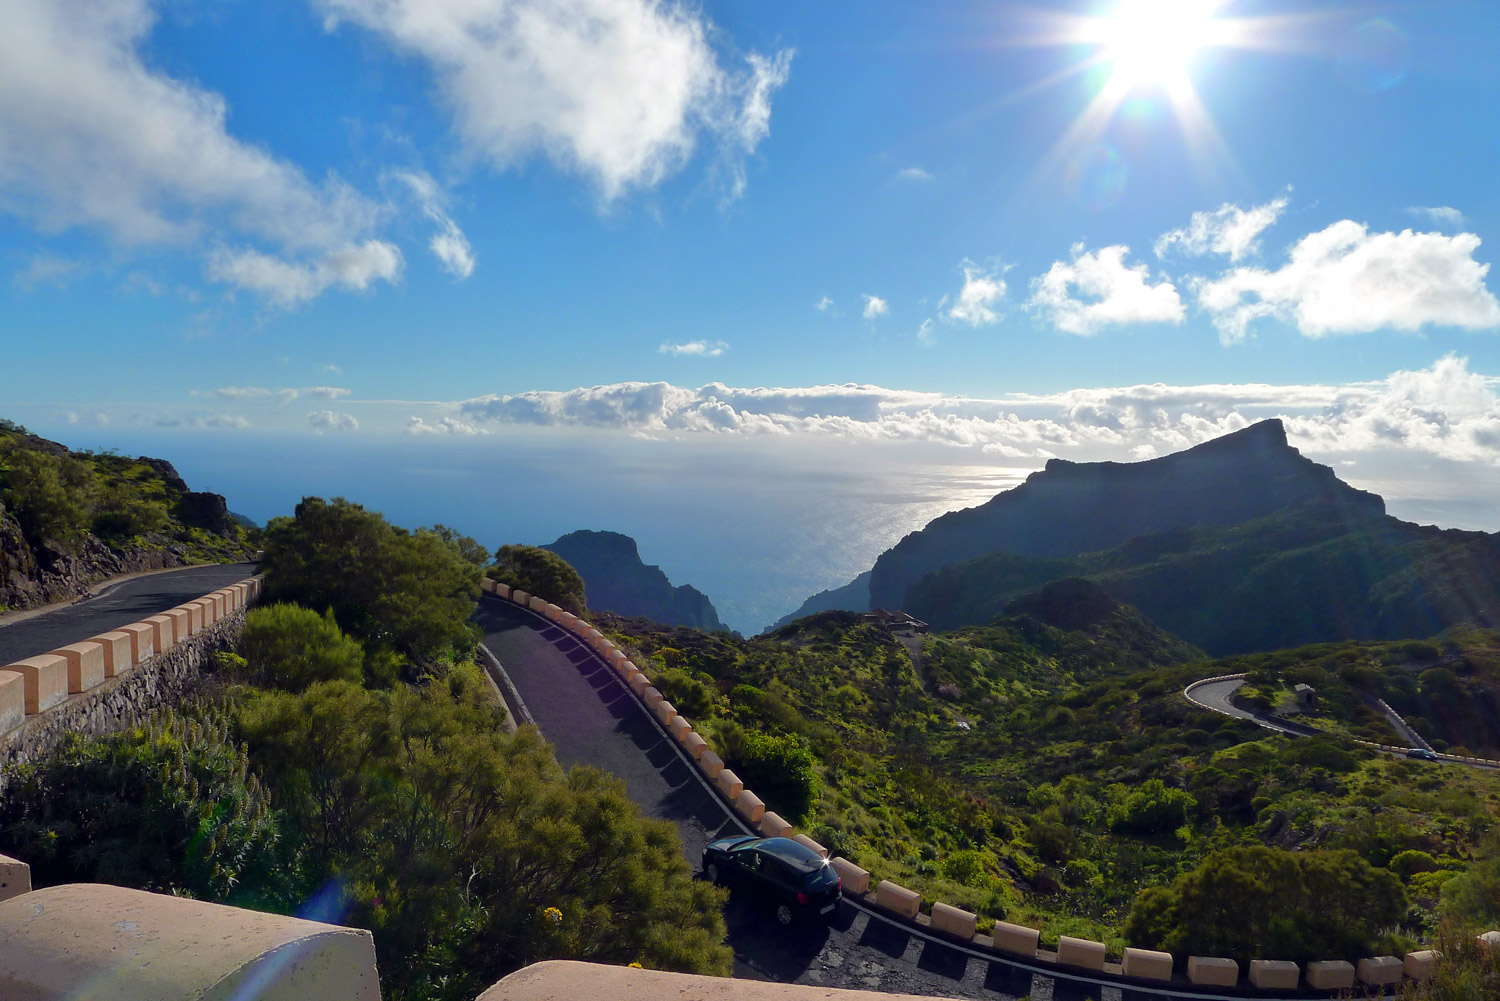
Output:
x=1070 y=507
x=616 y=580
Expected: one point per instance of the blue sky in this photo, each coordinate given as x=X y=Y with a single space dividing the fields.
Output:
x=876 y=221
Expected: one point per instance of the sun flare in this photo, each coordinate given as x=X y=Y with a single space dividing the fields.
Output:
x=1150 y=43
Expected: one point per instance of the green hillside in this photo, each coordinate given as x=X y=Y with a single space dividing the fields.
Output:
x=1048 y=775
x=70 y=518
x=1304 y=574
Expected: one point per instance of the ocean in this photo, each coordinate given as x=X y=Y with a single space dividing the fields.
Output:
x=757 y=524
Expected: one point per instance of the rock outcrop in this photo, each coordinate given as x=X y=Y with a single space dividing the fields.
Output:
x=616 y=580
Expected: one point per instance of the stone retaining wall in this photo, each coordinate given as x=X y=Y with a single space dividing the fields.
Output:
x=111 y=688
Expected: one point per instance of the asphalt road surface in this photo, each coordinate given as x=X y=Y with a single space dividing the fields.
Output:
x=118 y=605
x=592 y=719
x=1215 y=695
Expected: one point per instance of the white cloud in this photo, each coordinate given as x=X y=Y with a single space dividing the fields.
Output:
x=45 y=269
x=241 y=392
x=705 y=349
x=220 y=421
x=1345 y=279
x=926 y=333
x=326 y=392
x=448 y=244
x=332 y=368
x=875 y=306
x=823 y=305
x=442 y=426
x=352 y=267
x=1228 y=230
x=1115 y=293
x=1445 y=411
x=331 y=420
x=92 y=136
x=617 y=90
x=913 y=174
x=285 y=396
x=1440 y=215
x=975 y=303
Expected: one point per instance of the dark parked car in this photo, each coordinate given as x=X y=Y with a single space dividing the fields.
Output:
x=1421 y=753
x=793 y=880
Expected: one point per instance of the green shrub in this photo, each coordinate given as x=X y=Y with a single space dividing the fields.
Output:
x=1153 y=808
x=779 y=769
x=1248 y=902
x=541 y=572
x=289 y=647
x=166 y=806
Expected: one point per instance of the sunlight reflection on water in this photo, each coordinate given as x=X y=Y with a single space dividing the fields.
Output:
x=757 y=526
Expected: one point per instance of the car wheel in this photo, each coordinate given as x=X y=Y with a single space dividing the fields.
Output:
x=784 y=914
x=711 y=871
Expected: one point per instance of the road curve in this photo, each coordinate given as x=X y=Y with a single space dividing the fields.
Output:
x=591 y=718
x=115 y=606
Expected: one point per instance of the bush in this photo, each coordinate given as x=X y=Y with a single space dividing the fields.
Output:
x=779 y=769
x=541 y=572
x=690 y=696
x=1153 y=808
x=1250 y=902
x=289 y=647
x=167 y=806
x=389 y=588
x=51 y=497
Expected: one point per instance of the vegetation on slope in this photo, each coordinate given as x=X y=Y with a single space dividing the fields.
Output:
x=1311 y=573
x=353 y=767
x=84 y=515
x=1048 y=776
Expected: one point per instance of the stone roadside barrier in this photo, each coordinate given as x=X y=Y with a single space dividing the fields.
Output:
x=1007 y=938
x=35 y=685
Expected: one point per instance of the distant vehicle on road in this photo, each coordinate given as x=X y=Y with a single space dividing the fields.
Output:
x=1421 y=754
x=793 y=880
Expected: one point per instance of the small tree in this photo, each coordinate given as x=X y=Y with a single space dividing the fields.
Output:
x=542 y=572
x=289 y=647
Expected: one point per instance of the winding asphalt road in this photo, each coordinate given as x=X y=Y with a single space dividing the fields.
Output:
x=114 y=606
x=592 y=719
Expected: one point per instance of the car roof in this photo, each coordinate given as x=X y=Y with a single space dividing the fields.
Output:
x=795 y=854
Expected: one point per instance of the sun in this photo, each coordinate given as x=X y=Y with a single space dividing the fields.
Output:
x=1150 y=43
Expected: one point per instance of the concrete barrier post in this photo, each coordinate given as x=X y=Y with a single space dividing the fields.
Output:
x=652 y=697
x=503 y=591
x=729 y=784
x=679 y=727
x=487 y=585
x=695 y=745
x=1274 y=974
x=195 y=617
x=665 y=711
x=855 y=879
x=15 y=877
x=750 y=806
x=958 y=923
x=181 y=624
x=772 y=826
x=1213 y=971
x=163 y=632
x=711 y=763
x=537 y=604
x=12 y=700
x=46 y=681
x=1147 y=964
x=898 y=899
x=639 y=683
x=1379 y=971
x=1329 y=975
x=810 y=844
x=85 y=664
x=1419 y=965
x=142 y=641
x=117 y=656
x=1081 y=952
x=1017 y=939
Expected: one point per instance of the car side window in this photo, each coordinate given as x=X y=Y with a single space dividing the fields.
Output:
x=749 y=858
